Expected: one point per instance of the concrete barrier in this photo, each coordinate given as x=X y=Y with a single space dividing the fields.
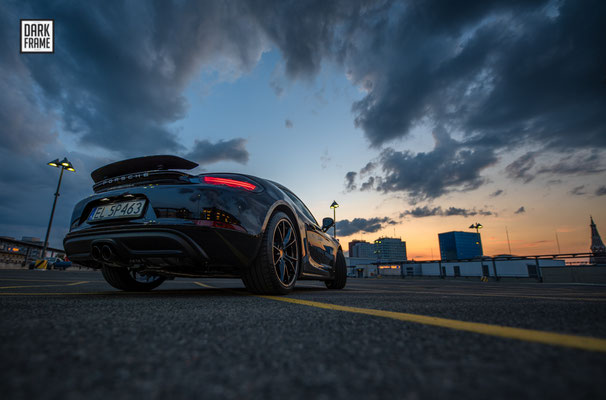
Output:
x=589 y=274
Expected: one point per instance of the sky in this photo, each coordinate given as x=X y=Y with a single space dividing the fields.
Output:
x=417 y=117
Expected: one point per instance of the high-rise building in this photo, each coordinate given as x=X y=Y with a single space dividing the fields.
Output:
x=597 y=246
x=390 y=249
x=361 y=249
x=458 y=245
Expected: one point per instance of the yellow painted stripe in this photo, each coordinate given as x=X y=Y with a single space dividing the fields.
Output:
x=38 y=286
x=529 y=335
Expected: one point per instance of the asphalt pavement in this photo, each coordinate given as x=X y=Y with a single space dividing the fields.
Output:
x=69 y=335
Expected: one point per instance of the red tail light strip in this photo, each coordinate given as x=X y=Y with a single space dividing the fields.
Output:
x=213 y=180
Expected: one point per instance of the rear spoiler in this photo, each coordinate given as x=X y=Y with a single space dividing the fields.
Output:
x=141 y=164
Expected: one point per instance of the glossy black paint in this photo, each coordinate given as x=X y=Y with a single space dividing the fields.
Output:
x=195 y=229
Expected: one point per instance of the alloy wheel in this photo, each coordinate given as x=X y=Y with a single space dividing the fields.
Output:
x=285 y=252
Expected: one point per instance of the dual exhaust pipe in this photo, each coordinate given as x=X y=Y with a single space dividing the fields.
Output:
x=103 y=252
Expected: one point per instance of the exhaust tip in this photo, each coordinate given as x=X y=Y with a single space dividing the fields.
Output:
x=96 y=253
x=107 y=253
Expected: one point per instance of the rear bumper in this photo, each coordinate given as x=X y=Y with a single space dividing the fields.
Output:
x=194 y=248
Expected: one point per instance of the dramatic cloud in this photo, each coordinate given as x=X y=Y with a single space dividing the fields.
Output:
x=601 y=191
x=504 y=74
x=496 y=193
x=520 y=210
x=346 y=227
x=118 y=73
x=501 y=70
x=288 y=123
x=425 y=211
x=450 y=166
x=205 y=152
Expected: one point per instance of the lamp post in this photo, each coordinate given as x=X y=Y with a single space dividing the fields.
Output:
x=334 y=207
x=64 y=165
x=477 y=226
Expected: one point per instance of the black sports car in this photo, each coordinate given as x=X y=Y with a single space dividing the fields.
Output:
x=147 y=222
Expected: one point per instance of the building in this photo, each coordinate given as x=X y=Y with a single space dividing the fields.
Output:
x=458 y=245
x=597 y=246
x=361 y=249
x=21 y=252
x=390 y=249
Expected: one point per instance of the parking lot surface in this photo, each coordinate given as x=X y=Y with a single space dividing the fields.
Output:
x=69 y=335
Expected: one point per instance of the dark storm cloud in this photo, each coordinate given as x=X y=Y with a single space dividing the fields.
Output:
x=425 y=211
x=451 y=165
x=118 y=73
x=505 y=74
x=496 y=193
x=346 y=227
x=205 y=152
x=520 y=210
x=601 y=191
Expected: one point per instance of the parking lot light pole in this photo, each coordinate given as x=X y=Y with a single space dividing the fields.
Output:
x=64 y=165
x=334 y=207
x=477 y=226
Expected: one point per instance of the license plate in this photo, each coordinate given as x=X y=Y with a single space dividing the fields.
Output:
x=127 y=209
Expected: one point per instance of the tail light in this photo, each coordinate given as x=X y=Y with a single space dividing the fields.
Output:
x=214 y=180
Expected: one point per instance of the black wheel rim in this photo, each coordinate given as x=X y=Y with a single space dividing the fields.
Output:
x=285 y=252
x=143 y=278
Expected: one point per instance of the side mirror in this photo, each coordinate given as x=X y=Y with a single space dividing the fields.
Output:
x=327 y=223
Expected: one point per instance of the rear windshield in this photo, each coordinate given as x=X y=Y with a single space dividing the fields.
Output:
x=299 y=203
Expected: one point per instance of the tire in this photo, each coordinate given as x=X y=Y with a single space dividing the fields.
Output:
x=340 y=278
x=276 y=268
x=124 y=279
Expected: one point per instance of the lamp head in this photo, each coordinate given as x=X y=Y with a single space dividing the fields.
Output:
x=334 y=205
x=54 y=163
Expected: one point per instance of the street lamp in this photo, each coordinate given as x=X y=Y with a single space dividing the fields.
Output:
x=477 y=226
x=64 y=165
x=334 y=207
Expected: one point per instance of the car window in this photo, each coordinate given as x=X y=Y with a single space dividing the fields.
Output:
x=300 y=204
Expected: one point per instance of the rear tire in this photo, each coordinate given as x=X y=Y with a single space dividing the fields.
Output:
x=276 y=268
x=123 y=279
x=340 y=278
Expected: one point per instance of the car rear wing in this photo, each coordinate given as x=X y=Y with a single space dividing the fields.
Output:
x=141 y=164
x=142 y=170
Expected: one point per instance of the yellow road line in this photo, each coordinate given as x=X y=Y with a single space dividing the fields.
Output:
x=528 y=335
x=37 y=286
